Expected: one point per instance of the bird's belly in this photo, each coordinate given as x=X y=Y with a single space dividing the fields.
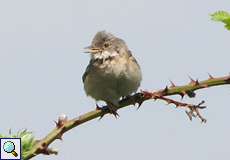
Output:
x=110 y=84
x=101 y=86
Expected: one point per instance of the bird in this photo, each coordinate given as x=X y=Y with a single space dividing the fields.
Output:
x=112 y=72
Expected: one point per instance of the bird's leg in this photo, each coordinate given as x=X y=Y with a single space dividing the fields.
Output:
x=112 y=109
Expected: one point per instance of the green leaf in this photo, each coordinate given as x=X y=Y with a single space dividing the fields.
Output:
x=222 y=16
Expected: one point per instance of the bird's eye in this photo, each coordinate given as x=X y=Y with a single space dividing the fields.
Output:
x=106 y=45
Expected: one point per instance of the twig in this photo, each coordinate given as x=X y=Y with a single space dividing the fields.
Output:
x=193 y=109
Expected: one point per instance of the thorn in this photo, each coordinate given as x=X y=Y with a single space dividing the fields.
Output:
x=101 y=117
x=202 y=102
x=197 y=83
x=210 y=76
x=228 y=78
x=203 y=120
x=202 y=107
x=166 y=89
x=182 y=94
x=47 y=151
x=139 y=104
x=50 y=151
x=189 y=115
x=193 y=82
x=172 y=84
x=191 y=79
x=59 y=136
x=199 y=105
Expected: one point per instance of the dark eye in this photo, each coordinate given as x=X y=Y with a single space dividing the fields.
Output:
x=106 y=45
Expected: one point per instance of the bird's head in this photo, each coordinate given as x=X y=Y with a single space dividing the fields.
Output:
x=105 y=45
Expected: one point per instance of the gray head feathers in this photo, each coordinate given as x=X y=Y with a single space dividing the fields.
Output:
x=102 y=37
x=107 y=41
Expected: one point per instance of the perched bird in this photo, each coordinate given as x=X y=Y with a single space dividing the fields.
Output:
x=112 y=72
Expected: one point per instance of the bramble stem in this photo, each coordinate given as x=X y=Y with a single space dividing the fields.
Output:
x=41 y=147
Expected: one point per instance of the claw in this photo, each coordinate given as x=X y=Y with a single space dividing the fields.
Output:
x=101 y=116
x=110 y=108
x=116 y=115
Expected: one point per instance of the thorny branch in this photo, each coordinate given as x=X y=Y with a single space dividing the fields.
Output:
x=193 y=109
x=63 y=124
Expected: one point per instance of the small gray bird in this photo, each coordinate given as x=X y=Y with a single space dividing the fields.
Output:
x=112 y=72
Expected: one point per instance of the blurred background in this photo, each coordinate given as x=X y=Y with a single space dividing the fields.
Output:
x=42 y=61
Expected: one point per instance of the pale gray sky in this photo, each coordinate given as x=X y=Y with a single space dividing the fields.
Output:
x=41 y=64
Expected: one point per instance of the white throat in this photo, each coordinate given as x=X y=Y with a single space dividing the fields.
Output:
x=104 y=55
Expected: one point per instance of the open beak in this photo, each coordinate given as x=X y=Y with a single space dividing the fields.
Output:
x=91 y=49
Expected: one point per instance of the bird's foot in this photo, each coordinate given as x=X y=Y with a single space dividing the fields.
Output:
x=103 y=109
x=110 y=108
x=113 y=109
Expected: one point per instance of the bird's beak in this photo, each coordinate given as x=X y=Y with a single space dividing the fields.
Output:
x=91 y=49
